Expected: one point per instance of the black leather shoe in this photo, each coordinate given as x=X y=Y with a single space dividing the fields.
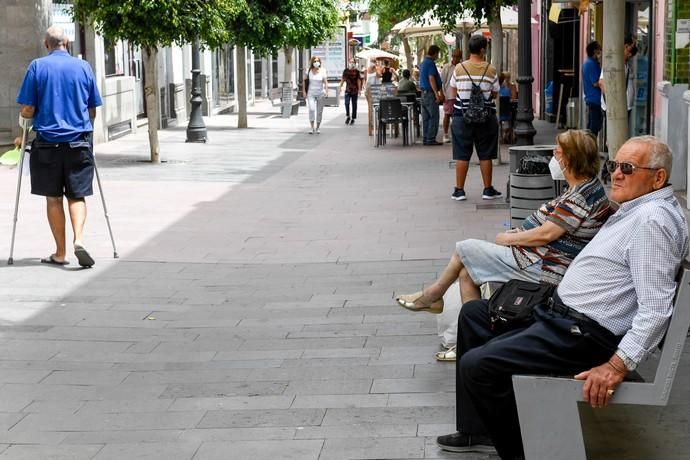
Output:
x=433 y=143
x=459 y=442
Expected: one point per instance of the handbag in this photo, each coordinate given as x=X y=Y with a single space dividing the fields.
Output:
x=513 y=303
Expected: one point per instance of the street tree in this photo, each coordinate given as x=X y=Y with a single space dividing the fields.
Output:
x=389 y=13
x=448 y=13
x=265 y=26
x=151 y=24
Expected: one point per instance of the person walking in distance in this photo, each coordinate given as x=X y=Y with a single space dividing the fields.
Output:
x=353 y=86
x=315 y=89
x=432 y=96
x=59 y=92
x=449 y=102
x=475 y=86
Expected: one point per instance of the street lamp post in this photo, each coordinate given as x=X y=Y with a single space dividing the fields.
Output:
x=524 y=130
x=196 y=129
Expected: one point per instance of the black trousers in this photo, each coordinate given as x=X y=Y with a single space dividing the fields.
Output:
x=551 y=345
x=351 y=99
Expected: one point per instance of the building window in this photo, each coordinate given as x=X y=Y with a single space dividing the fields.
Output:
x=114 y=58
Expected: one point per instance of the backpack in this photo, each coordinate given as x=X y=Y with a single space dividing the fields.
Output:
x=476 y=111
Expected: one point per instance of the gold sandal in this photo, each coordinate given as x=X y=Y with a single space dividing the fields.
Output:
x=414 y=302
x=450 y=354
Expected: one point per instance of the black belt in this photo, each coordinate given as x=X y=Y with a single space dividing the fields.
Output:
x=554 y=305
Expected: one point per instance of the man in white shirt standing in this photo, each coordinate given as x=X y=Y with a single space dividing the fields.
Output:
x=629 y=51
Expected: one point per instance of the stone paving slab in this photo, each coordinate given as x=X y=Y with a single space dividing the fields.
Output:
x=250 y=314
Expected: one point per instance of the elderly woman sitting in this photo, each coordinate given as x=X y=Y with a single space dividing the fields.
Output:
x=547 y=242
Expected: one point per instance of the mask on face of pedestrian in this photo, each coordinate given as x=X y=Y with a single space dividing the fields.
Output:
x=352 y=65
x=317 y=64
x=556 y=170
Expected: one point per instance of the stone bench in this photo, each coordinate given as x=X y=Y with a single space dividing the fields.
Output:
x=548 y=406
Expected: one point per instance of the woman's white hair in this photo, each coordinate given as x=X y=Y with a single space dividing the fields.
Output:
x=660 y=155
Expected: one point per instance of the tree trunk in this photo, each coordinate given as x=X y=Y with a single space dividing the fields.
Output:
x=151 y=95
x=422 y=45
x=287 y=74
x=408 y=52
x=614 y=76
x=241 y=86
x=496 y=29
x=466 y=34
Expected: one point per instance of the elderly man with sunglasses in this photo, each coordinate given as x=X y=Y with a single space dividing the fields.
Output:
x=609 y=312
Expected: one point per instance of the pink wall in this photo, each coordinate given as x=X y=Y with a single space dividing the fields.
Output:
x=658 y=47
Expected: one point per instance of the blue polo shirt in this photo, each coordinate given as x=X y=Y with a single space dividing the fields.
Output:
x=62 y=89
x=591 y=70
x=427 y=68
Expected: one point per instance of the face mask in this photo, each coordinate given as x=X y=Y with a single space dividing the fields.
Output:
x=555 y=168
x=352 y=66
x=317 y=64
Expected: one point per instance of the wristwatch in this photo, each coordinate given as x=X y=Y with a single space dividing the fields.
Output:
x=630 y=365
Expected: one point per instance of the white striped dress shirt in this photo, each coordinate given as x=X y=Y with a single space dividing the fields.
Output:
x=625 y=278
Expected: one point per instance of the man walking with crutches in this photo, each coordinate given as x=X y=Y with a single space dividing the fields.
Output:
x=59 y=92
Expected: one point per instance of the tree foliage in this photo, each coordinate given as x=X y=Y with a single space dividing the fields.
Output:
x=160 y=23
x=268 y=25
x=447 y=12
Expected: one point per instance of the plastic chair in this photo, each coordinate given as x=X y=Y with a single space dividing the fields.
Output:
x=391 y=112
x=412 y=97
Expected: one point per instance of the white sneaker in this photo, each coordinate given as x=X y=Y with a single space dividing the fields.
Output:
x=318 y=131
x=446 y=140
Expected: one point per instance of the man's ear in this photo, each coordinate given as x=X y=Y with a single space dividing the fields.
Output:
x=660 y=178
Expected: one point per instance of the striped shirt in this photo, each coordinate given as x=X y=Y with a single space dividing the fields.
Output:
x=463 y=84
x=581 y=211
x=625 y=279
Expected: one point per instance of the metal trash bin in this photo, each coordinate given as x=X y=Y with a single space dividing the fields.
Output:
x=517 y=153
x=571 y=114
x=527 y=193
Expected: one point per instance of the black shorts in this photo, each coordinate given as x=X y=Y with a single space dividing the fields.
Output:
x=64 y=168
x=466 y=137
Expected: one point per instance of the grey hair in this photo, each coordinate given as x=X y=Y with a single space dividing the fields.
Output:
x=660 y=155
x=55 y=37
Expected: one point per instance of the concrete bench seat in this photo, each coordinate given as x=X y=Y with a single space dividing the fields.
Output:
x=548 y=406
x=282 y=97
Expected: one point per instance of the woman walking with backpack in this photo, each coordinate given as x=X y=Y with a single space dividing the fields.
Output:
x=475 y=85
x=315 y=89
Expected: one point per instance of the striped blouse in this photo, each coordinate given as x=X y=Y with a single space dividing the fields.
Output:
x=581 y=211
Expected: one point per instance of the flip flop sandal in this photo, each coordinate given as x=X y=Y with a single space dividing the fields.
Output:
x=51 y=260
x=413 y=302
x=450 y=354
x=83 y=256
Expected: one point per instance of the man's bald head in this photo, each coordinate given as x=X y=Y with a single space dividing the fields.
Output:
x=55 y=38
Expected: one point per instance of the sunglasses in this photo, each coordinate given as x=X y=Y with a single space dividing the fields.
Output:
x=626 y=168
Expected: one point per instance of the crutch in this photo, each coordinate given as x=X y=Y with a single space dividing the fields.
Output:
x=20 y=168
x=105 y=208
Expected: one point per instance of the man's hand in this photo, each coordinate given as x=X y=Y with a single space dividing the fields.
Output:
x=17 y=142
x=602 y=381
x=25 y=123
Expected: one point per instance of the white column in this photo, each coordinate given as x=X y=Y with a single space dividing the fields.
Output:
x=671 y=127
x=686 y=99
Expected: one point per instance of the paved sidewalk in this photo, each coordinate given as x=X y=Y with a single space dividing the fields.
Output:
x=250 y=314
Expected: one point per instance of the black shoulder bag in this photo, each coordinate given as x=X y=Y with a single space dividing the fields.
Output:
x=513 y=303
